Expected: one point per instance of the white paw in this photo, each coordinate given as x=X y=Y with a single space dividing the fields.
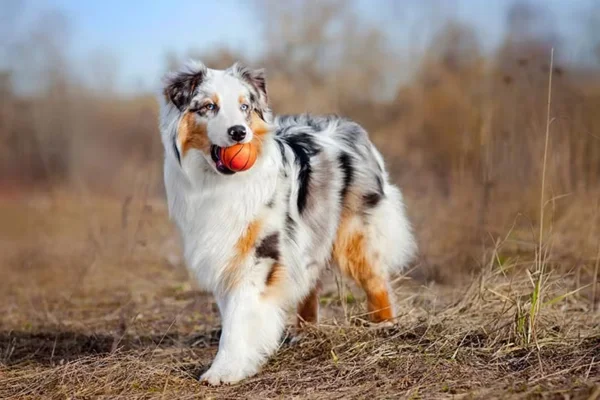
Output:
x=217 y=375
x=382 y=325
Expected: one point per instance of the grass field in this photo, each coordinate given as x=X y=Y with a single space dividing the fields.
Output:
x=94 y=302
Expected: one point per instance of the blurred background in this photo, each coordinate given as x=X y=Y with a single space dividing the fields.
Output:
x=454 y=92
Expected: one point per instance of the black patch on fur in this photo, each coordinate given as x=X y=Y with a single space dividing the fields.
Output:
x=290 y=226
x=372 y=199
x=304 y=147
x=176 y=152
x=348 y=170
x=271 y=202
x=269 y=247
x=380 y=184
x=282 y=150
x=260 y=114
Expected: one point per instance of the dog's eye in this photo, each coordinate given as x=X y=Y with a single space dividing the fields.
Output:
x=206 y=107
x=244 y=107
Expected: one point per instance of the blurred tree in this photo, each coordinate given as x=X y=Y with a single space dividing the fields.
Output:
x=531 y=31
x=220 y=58
x=450 y=78
x=298 y=34
x=326 y=54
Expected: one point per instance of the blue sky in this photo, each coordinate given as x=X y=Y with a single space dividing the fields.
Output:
x=139 y=33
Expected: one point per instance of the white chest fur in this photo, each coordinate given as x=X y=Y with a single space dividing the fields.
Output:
x=214 y=212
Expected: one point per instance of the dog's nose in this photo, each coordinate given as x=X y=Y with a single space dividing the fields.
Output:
x=237 y=133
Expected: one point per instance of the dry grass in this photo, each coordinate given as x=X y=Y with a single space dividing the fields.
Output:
x=81 y=320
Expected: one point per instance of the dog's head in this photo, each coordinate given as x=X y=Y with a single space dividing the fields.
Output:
x=207 y=109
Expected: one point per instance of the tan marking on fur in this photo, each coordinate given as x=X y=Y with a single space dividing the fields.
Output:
x=379 y=306
x=248 y=240
x=351 y=254
x=242 y=99
x=352 y=205
x=308 y=310
x=192 y=135
x=276 y=275
x=244 y=246
x=348 y=251
x=349 y=244
x=258 y=125
x=259 y=128
x=275 y=283
x=216 y=99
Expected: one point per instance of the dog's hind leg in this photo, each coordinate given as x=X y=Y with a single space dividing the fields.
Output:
x=356 y=257
x=371 y=243
x=308 y=310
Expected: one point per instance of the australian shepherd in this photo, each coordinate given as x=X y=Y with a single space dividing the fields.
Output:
x=259 y=240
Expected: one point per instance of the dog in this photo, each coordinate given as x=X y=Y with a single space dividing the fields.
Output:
x=317 y=195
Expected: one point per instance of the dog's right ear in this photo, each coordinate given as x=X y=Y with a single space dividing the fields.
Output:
x=179 y=87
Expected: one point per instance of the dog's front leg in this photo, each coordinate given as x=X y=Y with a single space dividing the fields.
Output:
x=252 y=325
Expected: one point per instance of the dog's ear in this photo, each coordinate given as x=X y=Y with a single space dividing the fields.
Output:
x=179 y=87
x=257 y=79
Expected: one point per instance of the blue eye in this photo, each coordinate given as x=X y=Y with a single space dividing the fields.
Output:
x=210 y=106
x=244 y=107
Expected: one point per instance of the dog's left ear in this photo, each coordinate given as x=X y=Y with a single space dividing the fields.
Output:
x=257 y=80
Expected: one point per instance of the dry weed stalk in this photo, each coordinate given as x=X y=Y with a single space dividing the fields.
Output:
x=539 y=279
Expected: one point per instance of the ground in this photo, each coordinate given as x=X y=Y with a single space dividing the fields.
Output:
x=95 y=302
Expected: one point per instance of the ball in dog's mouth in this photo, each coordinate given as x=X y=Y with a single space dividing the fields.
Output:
x=214 y=153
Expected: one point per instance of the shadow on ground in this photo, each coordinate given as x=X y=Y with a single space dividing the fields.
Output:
x=49 y=348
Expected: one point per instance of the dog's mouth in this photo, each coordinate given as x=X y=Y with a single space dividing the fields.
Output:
x=219 y=165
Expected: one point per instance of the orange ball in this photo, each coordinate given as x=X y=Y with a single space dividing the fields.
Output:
x=239 y=157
